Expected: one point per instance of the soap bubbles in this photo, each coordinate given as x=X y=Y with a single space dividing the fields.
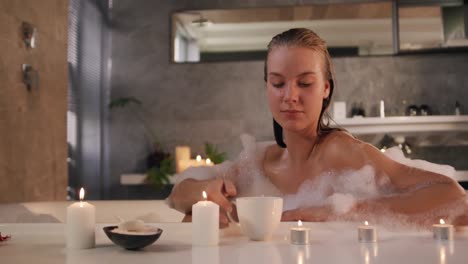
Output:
x=340 y=190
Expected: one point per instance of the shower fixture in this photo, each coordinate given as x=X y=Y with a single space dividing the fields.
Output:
x=30 y=76
x=29 y=34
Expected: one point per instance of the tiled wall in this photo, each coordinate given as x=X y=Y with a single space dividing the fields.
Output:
x=216 y=102
x=33 y=148
x=438 y=80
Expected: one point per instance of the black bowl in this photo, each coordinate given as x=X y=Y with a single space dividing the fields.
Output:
x=131 y=242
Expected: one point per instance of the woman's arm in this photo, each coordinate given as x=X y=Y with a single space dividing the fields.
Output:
x=188 y=192
x=416 y=201
x=411 y=203
x=417 y=190
x=413 y=190
x=216 y=181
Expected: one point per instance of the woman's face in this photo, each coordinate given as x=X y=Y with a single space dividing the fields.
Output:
x=296 y=87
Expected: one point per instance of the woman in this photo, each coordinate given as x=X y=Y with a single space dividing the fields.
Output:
x=323 y=173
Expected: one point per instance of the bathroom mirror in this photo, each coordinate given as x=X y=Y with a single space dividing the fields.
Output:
x=432 y=25
x=350 y=29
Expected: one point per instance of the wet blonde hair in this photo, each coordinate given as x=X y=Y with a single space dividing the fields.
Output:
x=303 y=37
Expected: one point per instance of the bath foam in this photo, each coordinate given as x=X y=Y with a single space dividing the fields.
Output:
x=381 y=216
x=340 y=190
x=341 y=203
x=397 y=155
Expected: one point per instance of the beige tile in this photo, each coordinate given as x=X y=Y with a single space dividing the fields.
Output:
x=33 y=146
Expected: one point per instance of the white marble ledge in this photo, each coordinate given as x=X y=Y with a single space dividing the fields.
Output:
x=106 y=211
x=331 y=243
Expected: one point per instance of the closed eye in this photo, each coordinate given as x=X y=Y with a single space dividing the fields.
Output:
x=278 y=85
x=304 y=85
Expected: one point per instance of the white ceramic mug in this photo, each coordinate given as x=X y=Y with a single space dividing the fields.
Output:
x=259 y=216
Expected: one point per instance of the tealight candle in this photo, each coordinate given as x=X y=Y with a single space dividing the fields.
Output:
x=80 y=224
x=367 y=233
x=205 y=223
x=300 y=234
x=442 y=231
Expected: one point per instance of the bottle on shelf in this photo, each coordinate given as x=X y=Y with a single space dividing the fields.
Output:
x=457 y=108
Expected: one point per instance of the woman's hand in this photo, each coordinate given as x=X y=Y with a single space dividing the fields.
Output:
x=219 y=191
x=309 y=214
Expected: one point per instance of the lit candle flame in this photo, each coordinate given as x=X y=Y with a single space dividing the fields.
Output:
x=442 y=255
x=81 y=194
x=208 y=161
x=366 y=223
x=204 y=195
x=441 y=221
x=299 y=223
x=198 y=158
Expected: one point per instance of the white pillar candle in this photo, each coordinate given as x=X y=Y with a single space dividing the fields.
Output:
x=367 y=233
x=181 y=153
x=442 y=231
x=183 y=165
x=300 y=234
x=80 y=224
x=205 y=223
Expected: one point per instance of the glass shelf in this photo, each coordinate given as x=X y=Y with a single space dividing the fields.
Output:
x=425 y=130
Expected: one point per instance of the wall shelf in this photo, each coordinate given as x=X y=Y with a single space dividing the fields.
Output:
x=425 y=130
x=138 y=179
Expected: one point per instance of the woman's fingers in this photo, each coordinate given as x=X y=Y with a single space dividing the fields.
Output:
x=187 y=218
x=223 y=219
x=222 y=201
x=230 y=188
x=290 y=215
x=312 y=214
x=234 y=215
x=216 y=193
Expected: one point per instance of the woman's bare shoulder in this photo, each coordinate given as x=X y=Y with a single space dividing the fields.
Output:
x=337 y=140
x=343 y=150
x=273 y=152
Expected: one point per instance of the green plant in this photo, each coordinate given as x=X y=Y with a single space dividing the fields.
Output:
x=159 y=176
x=160 y=164
x=214 y=154
x=136 y=107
